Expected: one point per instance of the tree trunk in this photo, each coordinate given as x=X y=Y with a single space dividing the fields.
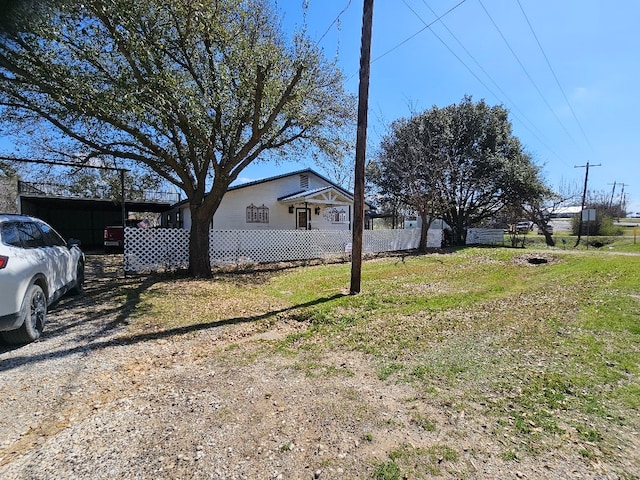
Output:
x=459 y=232
x=199 y=259
x=548 y=238
x=424 y=230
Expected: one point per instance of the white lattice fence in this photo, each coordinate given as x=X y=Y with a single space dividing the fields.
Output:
x=376 y=241
x=155 y=249
x=167 y=248
x=264 y=246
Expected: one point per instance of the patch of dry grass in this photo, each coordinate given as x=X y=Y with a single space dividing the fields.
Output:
x=546 y=353
x=184 y=302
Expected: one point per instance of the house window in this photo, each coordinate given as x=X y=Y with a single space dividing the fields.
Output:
x=257 y=214
x=304 y=181
x=335 y=215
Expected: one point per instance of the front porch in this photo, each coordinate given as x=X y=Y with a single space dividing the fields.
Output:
x=324 y=208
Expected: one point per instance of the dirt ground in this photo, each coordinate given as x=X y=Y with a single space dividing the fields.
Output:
x=95 y=398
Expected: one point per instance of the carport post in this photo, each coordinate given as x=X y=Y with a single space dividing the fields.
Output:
x=124 y=214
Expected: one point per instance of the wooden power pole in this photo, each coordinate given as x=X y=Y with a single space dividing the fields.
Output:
x=584 y=196
x=361 y=144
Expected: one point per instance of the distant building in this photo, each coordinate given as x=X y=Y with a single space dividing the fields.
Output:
x=566 y=212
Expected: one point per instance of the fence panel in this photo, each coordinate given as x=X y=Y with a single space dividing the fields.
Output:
x=155 y=249
x=485 y=236
x=263 y=246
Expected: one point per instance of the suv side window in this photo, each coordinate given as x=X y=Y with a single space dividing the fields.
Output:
x=31 y=235
x=10 y=234
x=51 y=236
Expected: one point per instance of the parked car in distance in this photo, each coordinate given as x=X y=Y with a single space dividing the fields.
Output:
x=524 y=227
x=37 y=267
x=520 y=227
x=114 y=235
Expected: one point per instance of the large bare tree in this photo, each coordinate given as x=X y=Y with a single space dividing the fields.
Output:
x=195 y=91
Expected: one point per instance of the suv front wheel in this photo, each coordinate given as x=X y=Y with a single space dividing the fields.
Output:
x=34 y=316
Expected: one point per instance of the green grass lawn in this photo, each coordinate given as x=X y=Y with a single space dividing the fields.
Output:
x=622 y=243
x=548 y=353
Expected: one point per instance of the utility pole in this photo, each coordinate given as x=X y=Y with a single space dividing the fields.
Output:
x=361 y=144
x=613 y=191
x=584 y=196
x=622 y=199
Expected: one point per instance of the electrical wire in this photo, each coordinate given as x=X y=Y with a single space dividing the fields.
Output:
x=554 y=75
x=418 y=32
x=544 y=99
x=536 y=136
x=525 y=121
x=482 y=69
x=334 y=22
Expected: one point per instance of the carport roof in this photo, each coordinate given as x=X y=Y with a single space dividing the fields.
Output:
x=130 y=206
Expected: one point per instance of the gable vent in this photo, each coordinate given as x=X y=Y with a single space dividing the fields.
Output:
x=304 y=181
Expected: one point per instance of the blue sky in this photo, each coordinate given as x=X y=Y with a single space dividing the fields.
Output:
x=583 y=108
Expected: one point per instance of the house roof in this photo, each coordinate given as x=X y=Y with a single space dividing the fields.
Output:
x=326 y=195
x=335 y=187
x=283 y=175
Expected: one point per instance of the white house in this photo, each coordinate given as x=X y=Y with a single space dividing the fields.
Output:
x=302 y=200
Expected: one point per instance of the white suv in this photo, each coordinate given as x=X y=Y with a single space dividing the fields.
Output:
x=36 y=268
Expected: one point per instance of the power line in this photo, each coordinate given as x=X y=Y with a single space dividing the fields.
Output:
x=554 y=75
x=461 y=46
x=481 y=68
x=526 y=72
x=334 y=21
x=476 y=76
x=418 y=32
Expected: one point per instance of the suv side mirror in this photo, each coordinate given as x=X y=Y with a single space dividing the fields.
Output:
x=73 y=242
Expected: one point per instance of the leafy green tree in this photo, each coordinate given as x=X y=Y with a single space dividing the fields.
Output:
x=195 y=91
x=460 y=162
x=603 y=225
x=403 y=173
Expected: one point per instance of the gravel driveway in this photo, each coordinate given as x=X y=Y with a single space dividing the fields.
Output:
x=95 y=398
